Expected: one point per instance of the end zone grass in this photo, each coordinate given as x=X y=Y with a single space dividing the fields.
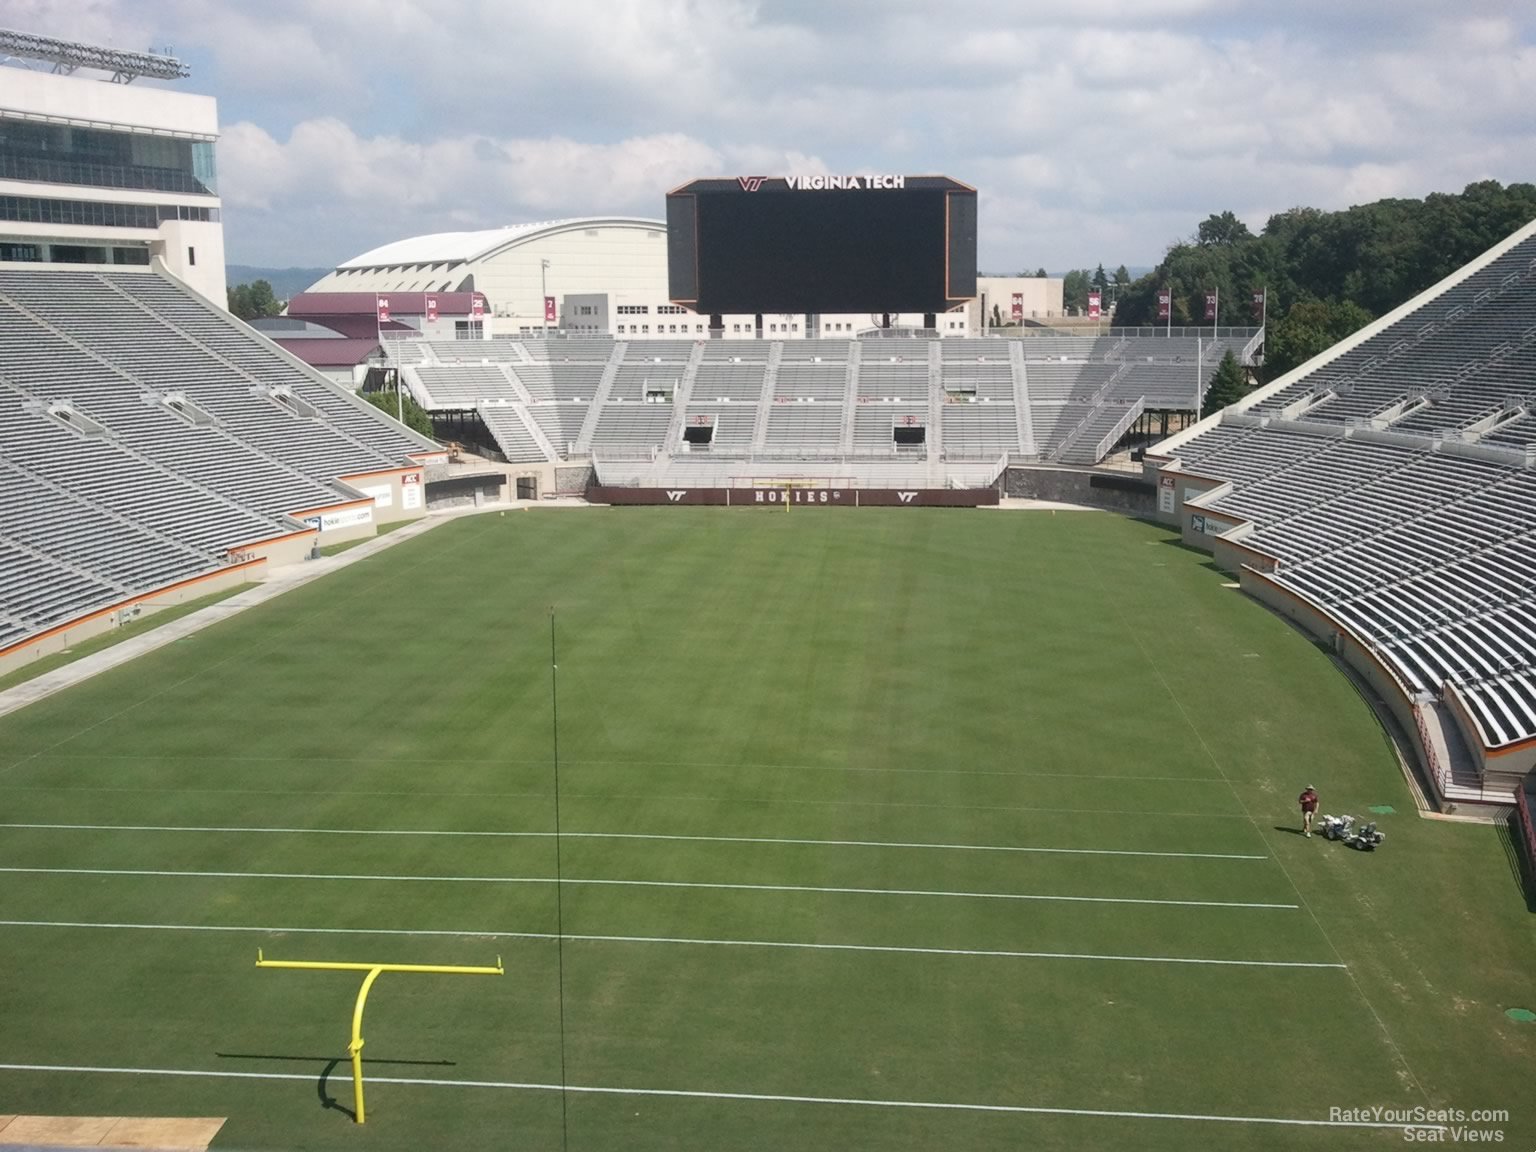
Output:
x=850 y=798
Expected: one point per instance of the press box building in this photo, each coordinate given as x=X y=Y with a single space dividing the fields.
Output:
x=98 y=171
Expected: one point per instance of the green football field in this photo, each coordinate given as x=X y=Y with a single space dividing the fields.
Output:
x=901 y=829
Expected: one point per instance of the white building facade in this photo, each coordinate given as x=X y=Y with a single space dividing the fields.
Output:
x=604 y=275
x=101 y=173
x=517 y=267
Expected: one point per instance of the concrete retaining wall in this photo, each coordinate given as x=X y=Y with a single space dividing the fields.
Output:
x=1119 y=491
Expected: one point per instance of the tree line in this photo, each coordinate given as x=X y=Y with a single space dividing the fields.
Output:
x=254 y=301
x=1326 y=274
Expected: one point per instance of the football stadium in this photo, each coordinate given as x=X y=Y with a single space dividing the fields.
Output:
x=804 y=738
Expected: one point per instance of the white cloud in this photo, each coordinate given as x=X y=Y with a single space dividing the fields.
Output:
x=326 y=180
x=1094 y=133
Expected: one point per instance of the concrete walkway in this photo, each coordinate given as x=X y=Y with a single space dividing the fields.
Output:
x=1017 y=503
x=278 y=580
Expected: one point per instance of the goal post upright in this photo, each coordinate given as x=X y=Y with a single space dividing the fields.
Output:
x=784 y=488
x=374 y=971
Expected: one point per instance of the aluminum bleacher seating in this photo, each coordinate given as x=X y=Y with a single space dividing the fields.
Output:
x=631 y=427
x=508 y=424
x=734 y=425
x=980 y=431
x=145 y=436
x=1413 y=524
x=733 y=379
x=811 y=427
x=463 y=385
x=561 y=423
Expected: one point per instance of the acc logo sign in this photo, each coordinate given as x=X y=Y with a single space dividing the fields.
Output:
x=906 y=497
x=750 y=183
x=674 y=497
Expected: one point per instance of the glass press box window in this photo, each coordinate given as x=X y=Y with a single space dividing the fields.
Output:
x=98 y=158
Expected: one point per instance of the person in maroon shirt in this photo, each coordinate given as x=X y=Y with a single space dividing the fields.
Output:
x=1308 y=801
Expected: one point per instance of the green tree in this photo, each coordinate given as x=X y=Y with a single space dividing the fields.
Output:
x=1308 y=328
x=1374 y=256
x=253 y=301
x=1041 y=274
x=1100 y=280
x=1228 y=386
x=1225 y=228
x=1074 y=289
x=416 y=417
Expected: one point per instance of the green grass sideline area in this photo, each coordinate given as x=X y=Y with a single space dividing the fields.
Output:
x=147 y=622
x=346 y=545
x=776 y=732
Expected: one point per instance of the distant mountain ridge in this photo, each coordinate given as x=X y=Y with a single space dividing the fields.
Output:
x=286 y=282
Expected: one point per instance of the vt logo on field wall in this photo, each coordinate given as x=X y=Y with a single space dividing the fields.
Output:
x=750 y=183
x=906 y=497
x=676 y=496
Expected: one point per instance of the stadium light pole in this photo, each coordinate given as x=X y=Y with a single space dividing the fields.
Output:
x=1199 y=373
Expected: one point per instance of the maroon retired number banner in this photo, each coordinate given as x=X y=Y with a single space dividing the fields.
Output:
x=821 y=497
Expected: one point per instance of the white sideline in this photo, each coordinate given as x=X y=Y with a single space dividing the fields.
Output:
x=642 y=884
x=700 y=942
x=758 y=1097
x=636 y=836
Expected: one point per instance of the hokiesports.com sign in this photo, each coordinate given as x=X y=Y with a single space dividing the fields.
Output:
x=810 y=497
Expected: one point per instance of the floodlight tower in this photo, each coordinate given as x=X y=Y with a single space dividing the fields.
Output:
x=68 y=55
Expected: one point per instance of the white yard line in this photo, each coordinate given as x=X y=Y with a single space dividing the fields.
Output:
x=1001 y=953
x=639 y=884
x=635 y=836
x=755 y=1097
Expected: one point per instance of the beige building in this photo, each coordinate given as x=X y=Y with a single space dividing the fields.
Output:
x=1014 y=299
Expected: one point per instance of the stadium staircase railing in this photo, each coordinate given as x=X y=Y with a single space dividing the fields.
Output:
x=1439 y=770
x=1527 y=832
x=1251 y=349
x=1112 y=437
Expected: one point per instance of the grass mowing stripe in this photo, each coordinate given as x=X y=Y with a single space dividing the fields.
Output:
x=496 y=763
x=636 y=836
x=241 y=653
x=718 y=800
x=756 y=1097
x=685 y=940
x=642 y=884
x=1210 y=755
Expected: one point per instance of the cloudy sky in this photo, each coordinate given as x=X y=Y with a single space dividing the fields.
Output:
x=1098 y=132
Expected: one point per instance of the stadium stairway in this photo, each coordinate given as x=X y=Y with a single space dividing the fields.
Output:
x=1021 y=406
x=851 y=395
x=933 y=438
x=765 y=398
x=680 y=398
x=600 y=397
x=1465 y=785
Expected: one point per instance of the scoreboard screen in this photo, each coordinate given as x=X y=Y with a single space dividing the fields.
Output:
x=819 y=244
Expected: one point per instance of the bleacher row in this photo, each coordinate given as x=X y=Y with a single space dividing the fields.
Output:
x=1395 y=487
x=144 y=435
x=817 y=398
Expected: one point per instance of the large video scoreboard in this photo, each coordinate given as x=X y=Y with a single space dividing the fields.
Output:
x=818 y=244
